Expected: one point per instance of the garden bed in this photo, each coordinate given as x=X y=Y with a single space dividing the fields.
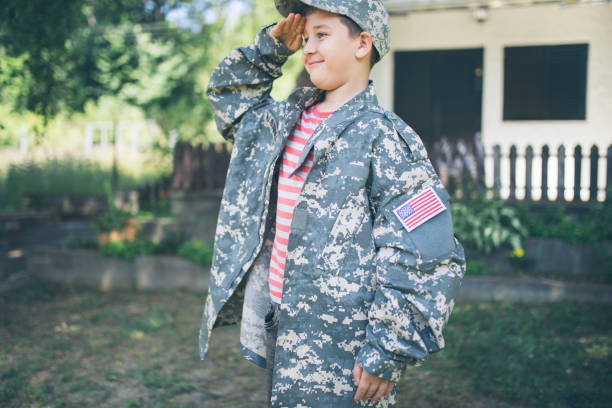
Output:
x=161 y=273
x=548 y=258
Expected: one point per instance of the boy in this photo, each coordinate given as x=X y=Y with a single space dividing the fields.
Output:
x=334 y=239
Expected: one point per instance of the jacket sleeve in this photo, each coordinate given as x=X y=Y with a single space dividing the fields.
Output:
x=244 y=79
x=418 y=272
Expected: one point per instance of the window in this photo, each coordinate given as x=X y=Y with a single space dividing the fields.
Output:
x=545 y=82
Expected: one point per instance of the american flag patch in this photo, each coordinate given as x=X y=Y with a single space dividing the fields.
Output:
x=419 y=209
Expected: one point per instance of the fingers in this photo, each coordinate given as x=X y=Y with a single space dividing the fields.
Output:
x=380 y=392
x=384 y=390
x=286 y=26
x=289 y=30
x=293 y=29
x=361 y=391
x=369 y=386
x=293 y=22
x=372 y=389
x=367 y=390
x=297 y=32
x=390 y=386
x=357 y=370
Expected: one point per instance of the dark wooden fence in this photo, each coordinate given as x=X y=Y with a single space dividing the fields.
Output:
x=198 y=167
x=151 y=195
x=194 y=168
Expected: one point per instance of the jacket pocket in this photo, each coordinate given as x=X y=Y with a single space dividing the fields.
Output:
x=342 y=242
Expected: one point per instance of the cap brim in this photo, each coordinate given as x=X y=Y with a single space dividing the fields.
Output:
x=285 y=7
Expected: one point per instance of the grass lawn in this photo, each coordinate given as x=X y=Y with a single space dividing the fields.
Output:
x=80 y=348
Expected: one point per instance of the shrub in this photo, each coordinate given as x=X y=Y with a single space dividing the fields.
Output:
x=488 y=224
x=127 y=249
x=197 y=251
x=113 y=219
x=554 y=222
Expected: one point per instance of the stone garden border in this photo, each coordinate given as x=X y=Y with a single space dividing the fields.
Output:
x=511 y=289
x=158 y=273
x=86 y=267
x=554 y=256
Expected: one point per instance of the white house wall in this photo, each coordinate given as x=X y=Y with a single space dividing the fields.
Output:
x=536 y=25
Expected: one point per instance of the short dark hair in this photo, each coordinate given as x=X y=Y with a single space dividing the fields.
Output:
x=353 y=28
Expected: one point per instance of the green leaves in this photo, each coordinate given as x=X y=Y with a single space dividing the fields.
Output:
x=197 y=251
x=583 y=226
x=56 y=56
x=128 y=249
x=113 y=219
x=488 y=224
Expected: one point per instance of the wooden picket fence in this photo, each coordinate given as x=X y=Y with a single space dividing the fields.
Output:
x=534 y=174
x=576 y=191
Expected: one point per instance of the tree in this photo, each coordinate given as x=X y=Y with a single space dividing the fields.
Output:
x=57 y=55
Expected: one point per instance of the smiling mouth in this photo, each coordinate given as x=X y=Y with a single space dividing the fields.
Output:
x=312 y=63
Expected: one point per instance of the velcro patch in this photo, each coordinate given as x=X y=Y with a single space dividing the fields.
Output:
x=418 y=209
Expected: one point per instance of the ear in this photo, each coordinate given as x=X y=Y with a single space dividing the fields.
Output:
x=365 y=45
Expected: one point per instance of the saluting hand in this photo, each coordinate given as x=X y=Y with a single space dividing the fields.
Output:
x=289 y=31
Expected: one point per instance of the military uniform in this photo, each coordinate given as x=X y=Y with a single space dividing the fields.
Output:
x=358 y=286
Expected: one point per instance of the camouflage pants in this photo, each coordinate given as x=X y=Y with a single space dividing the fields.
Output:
x=271 y=326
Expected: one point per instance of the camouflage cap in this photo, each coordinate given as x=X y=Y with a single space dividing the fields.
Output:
x=370 y=15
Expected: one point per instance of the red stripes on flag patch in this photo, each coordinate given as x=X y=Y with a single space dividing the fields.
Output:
x=418 y=209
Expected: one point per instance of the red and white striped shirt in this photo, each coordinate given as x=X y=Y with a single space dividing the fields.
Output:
x=288 y=191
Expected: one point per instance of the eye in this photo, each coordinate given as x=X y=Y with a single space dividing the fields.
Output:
x=320 y=34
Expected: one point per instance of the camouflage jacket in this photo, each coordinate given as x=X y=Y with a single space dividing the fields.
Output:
x=357 y=285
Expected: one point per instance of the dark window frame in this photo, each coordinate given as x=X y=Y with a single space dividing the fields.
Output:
x=545 y=82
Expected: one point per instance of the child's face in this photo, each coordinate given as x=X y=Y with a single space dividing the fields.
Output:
x=329 y=51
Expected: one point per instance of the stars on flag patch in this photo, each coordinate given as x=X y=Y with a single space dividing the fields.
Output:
x=418 y=209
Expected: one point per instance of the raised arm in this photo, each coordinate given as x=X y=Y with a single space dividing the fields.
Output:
x=244 y=78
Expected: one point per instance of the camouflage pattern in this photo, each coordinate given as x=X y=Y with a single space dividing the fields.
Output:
x=370 y=15
x=357 y=285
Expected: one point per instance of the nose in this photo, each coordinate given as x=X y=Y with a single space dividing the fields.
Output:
x=309 y=46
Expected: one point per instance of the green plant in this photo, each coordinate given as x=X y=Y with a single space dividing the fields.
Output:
x=161 y=207
x=197 y=251
x=555 y=222
x=476 y=267
x=172 y=241
x=113 y=219
x=488 y=224
x=127 y=249
x=517 y=258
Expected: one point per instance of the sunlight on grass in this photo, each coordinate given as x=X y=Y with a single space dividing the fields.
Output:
x=137 y=335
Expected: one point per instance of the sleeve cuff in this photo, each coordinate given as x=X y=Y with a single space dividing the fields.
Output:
x=383 y=364
x=270 y=47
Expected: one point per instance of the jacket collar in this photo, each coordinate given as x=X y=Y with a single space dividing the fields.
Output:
x=305 y=97
x=329 y=130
